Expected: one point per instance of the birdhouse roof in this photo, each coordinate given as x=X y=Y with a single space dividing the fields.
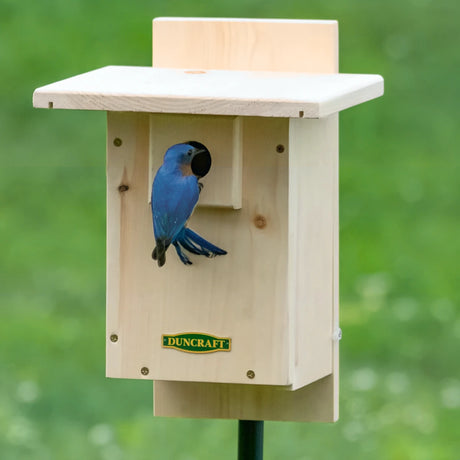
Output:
x=212 y=92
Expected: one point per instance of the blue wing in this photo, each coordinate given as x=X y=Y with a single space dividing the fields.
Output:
x=174 y=197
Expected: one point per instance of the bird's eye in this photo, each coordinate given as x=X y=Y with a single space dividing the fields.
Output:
x=189 y=153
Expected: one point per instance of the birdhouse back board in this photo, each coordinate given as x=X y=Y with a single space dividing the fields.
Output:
x=316 y=402
x=280 y=45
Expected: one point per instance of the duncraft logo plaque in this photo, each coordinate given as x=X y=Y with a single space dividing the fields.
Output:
x=196 y=342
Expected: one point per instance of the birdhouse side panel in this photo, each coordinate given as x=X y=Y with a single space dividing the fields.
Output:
x=313 y=147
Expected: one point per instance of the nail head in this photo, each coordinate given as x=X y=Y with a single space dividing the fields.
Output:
x=250 y=374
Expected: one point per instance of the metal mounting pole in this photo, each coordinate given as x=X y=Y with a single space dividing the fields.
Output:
x=250 y=440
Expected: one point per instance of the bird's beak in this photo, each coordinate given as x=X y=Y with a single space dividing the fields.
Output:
x=201 y=162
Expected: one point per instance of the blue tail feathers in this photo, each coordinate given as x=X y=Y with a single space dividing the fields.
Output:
x=194 y=243
x=185 y=260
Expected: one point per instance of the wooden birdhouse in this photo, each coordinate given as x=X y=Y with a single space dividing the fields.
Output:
x=252 y=334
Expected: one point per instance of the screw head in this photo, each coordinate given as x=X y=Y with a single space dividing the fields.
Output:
x=114 y=338
x=250 y=374
x=280 y=148
x=145 y=371
x=117 y=142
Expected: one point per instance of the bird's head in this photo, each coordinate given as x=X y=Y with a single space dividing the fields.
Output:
x=192 y=157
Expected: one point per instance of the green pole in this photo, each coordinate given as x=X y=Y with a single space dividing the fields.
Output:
x=250 y=440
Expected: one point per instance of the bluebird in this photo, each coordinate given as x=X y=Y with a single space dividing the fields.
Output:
x=175 y=192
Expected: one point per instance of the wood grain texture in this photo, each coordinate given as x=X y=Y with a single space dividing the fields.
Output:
x=241 y=295
x=128 y=219
x=246 y=44
x=313 y=147
x=214 y=92
x=313 y=403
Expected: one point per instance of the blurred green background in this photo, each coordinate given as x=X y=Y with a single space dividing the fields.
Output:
x=399 y=218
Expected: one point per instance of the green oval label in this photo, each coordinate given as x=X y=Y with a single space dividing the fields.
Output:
x=196 y=342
